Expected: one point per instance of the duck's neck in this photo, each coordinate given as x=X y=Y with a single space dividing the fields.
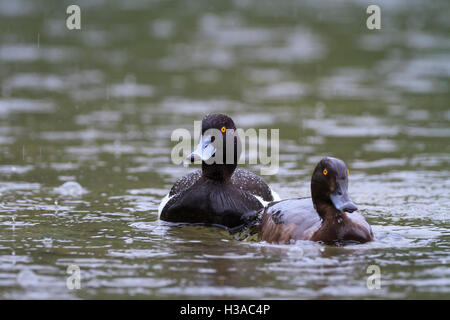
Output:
x=333 y=223
x=218 y=172
x=329 y=213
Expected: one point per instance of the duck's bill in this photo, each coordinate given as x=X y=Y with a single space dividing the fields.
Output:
x=342 y=201
x=204 y=150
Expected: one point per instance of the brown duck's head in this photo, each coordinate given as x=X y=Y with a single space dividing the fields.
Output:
x=329 y=185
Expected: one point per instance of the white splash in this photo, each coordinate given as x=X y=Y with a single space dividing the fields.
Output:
x=70 y=189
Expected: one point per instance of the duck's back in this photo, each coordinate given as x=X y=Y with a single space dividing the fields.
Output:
x=286 y=220
x=242 y=179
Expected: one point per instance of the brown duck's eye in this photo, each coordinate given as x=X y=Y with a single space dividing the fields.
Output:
x=325 y=172
x=348 y=172
x=223 y=129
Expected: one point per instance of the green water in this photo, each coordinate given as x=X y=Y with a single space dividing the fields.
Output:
x=98 y=105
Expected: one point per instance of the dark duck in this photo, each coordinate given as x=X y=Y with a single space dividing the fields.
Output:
x=218 y=194
x=329 y=216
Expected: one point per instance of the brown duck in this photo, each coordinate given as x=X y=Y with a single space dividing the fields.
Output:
x=329 y=216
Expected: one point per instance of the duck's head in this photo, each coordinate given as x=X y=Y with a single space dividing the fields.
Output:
x=329 y=184
x=218 y=132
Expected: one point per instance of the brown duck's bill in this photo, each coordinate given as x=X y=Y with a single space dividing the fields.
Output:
x=341 y=200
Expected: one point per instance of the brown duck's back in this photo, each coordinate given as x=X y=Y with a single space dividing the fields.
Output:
x=293 y=219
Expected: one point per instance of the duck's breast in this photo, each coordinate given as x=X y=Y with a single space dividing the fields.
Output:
x=210 y=202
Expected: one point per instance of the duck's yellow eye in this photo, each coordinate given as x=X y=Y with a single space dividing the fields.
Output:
x=223 y=129
x=325 y=172
x=348 y=172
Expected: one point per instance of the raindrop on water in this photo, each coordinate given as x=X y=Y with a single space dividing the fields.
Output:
x=70 y=189
x=27 y=278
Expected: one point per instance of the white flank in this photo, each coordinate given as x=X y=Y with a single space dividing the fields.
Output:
x=275 y=195
x=263 y=202
x=163 y=204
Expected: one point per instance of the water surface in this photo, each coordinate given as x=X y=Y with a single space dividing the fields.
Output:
x=97 y=107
